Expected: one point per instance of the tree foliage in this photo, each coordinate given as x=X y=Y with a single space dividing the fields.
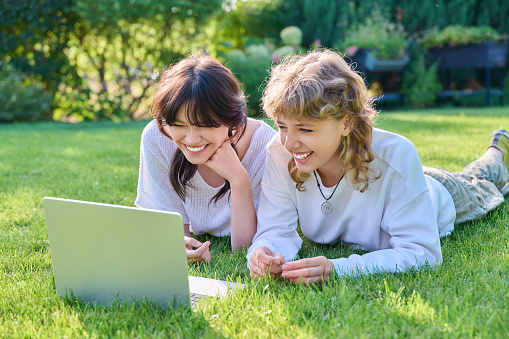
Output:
x=121 y=49
x=329 y=20
x=34 y=35
x=100 y=58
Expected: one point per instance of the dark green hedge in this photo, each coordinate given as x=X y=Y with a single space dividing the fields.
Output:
x=416 y=16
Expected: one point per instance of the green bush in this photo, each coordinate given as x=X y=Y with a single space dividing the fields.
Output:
x=251 y=69
x=252 y=65
x=420 y=82
x=291 y=35
x=20 y=98
x=278 y=54
x=322 y=22
x=456 y=35
x=386 y=39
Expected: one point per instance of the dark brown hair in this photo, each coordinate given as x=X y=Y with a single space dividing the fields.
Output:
x=318 y=86
x=211 y=97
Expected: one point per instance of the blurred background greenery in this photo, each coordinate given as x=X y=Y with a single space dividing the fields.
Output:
x=75 y=60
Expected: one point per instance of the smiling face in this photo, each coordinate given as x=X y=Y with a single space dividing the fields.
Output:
x=313 y=144
x=197 y=143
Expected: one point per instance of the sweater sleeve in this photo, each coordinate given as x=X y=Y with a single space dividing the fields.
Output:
x=257 y=160
x=154 y=188
x=277 y=215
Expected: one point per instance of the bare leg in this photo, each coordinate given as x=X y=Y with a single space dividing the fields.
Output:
x=494 y=151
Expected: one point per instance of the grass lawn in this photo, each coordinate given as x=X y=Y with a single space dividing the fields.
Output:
x=468 y=296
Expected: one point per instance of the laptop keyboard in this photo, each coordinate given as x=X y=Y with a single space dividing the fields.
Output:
x=196 y=297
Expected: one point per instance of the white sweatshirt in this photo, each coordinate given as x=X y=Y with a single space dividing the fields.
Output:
x=156 y=192
x=398 y=219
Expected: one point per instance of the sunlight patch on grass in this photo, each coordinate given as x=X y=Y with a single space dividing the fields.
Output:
x=412 y=309
x=467 y=296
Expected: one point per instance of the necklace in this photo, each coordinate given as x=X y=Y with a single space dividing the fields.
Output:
x=327 y=206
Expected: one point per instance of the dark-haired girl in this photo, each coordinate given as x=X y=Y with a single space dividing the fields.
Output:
x=201 y=156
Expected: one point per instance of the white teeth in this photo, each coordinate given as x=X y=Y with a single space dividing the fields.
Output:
x=302 y=156
x=196 y=149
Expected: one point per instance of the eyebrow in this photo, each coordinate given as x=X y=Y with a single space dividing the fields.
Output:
x=305 y=124
x=300 y=124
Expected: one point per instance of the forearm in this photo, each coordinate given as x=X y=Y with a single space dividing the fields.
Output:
x=243 y=219
x=394 y=260
x=187 y=232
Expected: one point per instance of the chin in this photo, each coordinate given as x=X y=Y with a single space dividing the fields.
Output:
x=305 y=169
x=195 y=160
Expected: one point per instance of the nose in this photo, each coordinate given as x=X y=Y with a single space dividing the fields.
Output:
x=289 y=140
x=193 y=136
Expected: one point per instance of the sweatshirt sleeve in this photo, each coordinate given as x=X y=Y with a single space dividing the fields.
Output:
x=408 y=219
x=414 y=243
x=277 y=214
x=154 y=188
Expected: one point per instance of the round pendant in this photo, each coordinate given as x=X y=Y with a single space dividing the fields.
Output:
x=326 y=208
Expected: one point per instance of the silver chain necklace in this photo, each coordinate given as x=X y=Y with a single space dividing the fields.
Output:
x=327 y=206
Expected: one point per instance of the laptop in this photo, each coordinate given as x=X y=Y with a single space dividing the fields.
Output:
x=102 y=252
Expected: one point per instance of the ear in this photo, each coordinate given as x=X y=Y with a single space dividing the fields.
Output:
x=166 y=132
x=233 y=134
x=348 y=124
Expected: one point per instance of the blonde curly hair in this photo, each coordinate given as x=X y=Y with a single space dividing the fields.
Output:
x=320 y=85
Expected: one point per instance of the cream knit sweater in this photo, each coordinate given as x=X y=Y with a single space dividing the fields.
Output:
x=155 y=190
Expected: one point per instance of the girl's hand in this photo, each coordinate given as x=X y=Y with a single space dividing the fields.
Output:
x=226 y=163
x=263 y=261
x=200 y=254
x=308 y=271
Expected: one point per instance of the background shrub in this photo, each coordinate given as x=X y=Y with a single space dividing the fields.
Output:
x=457 y=35
x=252 y=65
x=251 y=68
x=20 y=98
x=420 y=81
x=101 y=59
x=386 y=39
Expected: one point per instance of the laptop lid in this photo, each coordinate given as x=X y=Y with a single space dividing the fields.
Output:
x=102 y=252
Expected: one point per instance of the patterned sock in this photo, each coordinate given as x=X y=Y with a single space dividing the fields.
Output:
x=500 y=140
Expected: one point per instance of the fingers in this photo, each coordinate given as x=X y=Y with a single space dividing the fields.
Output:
x=307 y=263
x=263 y=261
x=226 y=163
x=261 y=269
x=200 y=254
x=307 y=271
x=223 y=153
x=255 y=271
x=191 y=242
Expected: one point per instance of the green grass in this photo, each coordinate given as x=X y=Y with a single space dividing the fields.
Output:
x=468 y=296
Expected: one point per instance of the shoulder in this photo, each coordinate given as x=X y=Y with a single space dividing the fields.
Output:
x=150 y=133
x=153 y=139
x=388 y=145
x=399 y=156
x=277 y=152
x=258 y=135
x=150 y=129
x=260 y=131
x=396 y=151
